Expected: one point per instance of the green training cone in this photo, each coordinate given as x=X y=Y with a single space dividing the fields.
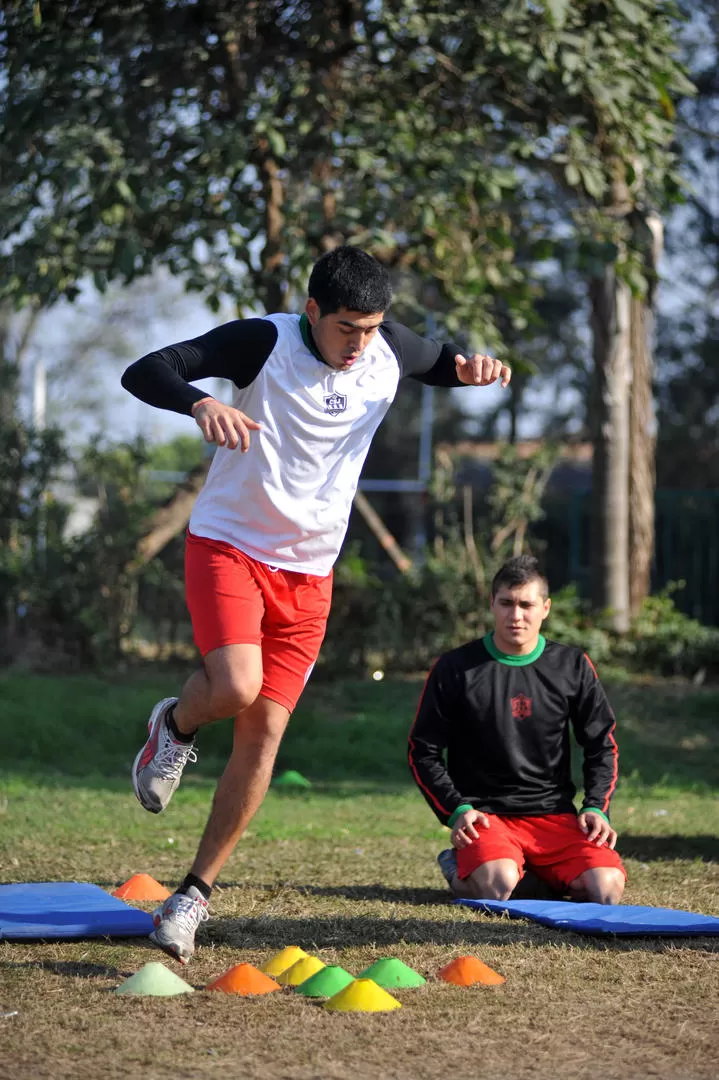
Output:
x=325 y=983
x=362 y=995
x=154 y=980
x=392 y=974
x=291 y=779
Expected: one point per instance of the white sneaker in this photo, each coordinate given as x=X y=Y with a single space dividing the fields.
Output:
x=176 y=922
x=157 y=769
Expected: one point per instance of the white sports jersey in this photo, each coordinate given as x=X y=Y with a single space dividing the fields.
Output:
x=287 y=500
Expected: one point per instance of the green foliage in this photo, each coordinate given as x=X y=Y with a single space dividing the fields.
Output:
x=80 y=600
x=72 y=598
x=664 y=640
x=687 y=338
x=75 y=593
x=180 y=454
x=661 y=638
x=402 y=623
x=186 y=135
x=571 y=623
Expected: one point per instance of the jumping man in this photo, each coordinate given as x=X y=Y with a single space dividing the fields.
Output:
x=309 y=393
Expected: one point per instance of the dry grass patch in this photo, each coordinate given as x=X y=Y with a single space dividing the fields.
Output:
x=570 y=1005
x=347 y=872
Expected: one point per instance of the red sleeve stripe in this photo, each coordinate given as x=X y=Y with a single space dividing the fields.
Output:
x=428 y=793
x=615 y=750
x=615 y=770
x=591 y=666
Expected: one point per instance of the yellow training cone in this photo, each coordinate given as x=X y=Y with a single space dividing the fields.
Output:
x=282 y=960
x=362 y=995
x=300 y=970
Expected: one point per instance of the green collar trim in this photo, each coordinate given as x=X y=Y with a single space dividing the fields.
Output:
x=308 y=339
x=509 y=658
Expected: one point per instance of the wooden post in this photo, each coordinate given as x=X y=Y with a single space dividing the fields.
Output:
x=382 y=533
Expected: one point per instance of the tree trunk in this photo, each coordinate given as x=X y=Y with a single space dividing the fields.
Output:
x=642 y=471
x=649 y=233
x=611 y=322
x=271 y=278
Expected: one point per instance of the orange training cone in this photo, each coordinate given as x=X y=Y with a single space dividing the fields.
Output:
x=467 y=970
x=244 y=979
x=142 y=887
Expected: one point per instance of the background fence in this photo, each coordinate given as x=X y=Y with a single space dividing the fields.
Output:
x=686 y=547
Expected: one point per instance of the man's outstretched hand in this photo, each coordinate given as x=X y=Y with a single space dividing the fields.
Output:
x=223 y=425
x=481 y=370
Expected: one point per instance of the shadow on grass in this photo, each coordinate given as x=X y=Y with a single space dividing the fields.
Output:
x=74 y=969
x=354 y=931
x=386 y=893
x=667 y=848
x=530 y=888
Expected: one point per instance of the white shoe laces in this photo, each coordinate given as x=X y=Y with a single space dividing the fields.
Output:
x=189 y=912
x=172 y=758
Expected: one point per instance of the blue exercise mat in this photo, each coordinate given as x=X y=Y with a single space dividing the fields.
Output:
x=67 y=909
x=602 y=918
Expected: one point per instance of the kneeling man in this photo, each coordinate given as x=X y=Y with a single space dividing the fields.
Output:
x=502 y=709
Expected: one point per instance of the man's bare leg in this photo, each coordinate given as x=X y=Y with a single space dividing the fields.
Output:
x=228 y=683
x=602 y=885
x=239 y=794
x=242 y=786
x=493 y=880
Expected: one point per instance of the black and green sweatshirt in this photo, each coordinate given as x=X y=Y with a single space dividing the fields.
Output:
x=503 y=723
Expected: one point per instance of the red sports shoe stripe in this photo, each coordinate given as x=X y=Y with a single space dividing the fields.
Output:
x=150 y=748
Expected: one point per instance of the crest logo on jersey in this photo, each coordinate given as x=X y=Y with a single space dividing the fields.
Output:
x=521 y=707
x=335 y=404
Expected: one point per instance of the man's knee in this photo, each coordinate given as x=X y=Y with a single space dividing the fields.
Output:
x=493 y=881
x=234 y=673
x=601 y=885
x=232 y=692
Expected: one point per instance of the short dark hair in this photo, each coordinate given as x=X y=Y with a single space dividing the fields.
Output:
x=519 y=570
x=347 y=277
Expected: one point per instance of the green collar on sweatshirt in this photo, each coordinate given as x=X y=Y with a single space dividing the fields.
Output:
x=509 y=658
x=309 y=340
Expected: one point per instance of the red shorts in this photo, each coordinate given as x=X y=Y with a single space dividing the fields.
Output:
x=553 y=845
x=235 y=600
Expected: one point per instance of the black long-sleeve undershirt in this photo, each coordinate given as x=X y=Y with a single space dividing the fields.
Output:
x=505 y=732
x=237 y=350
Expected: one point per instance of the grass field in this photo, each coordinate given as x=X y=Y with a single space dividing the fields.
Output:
x=347 y=871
